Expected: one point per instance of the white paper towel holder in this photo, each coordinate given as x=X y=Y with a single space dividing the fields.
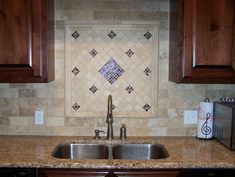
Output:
x=205 y=122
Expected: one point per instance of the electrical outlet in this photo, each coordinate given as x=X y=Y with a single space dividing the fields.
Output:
x=190 y=116
x=38 y=118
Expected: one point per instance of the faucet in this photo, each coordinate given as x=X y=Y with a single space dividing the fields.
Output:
x=109 y=119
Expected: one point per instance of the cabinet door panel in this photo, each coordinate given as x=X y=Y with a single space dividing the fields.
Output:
x=212 y=32
x=26 y=32
x=110 y=173
x=16 y=28
x=202 y=41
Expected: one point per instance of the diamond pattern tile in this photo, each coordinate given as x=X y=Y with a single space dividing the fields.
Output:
x=148 y=35
x=147 y=71
x=129 y=53
x=111 y=71
x=123 y=56
x=93 y=52
x=146 y=107
x=75 y=34
x=93 y=89
x=75 y=71
x=129 y=89
x=111 y=34
x=75 y=106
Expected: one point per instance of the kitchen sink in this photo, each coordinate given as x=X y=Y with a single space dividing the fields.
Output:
x=139 y=151
x=81 y=151
x=114 y=151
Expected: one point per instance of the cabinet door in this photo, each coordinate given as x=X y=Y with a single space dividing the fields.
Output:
x=23 y=41
x=203 y=41
x=109 y=173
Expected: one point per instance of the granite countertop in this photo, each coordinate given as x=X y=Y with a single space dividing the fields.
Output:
x=184 y=152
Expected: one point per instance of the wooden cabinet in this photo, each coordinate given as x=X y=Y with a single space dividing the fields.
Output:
x=202 y=41
x=108 y=173
x=26 y=41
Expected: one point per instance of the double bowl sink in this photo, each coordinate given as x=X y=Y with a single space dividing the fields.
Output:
x=110 y=151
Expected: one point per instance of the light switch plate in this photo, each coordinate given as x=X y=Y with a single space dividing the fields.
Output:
x=38 y=118
x=190 y=116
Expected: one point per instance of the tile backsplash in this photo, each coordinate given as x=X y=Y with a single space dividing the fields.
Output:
x=18 y=102
x=118 y=60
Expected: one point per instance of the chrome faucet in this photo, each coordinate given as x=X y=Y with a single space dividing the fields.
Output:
x=109 y=119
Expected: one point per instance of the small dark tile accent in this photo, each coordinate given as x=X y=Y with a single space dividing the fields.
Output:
x=148 y=35
x=113 y=107
x=111 y=71
x=147 y=71
x=75 y=71
x=93 y=52
x=129 y=53
x=75 y=34
x=129 y=89
x=112 y=34
x=146 y=107
x=93 y=89
x=75 y=106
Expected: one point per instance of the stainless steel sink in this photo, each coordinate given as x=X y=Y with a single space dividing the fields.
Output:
x=139 y=151
x=81 y=151
x=115 y=151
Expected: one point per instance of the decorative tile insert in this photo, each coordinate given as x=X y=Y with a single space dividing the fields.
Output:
x=129 y=53
x=75 y=71
x=93 y=89
x=75 y=34
x=93 y=52
x=111 y=34
x=148 y=35
x=75 y=106
x=129 y=89
x=147 y=71
x=111 y=72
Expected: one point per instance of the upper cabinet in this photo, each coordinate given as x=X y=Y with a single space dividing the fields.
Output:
x=202 y=41
x=26 y=41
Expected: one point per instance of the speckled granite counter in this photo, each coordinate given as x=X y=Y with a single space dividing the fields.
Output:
x=185 y=152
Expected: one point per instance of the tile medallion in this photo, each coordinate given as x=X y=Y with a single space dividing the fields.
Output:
x=112 y=71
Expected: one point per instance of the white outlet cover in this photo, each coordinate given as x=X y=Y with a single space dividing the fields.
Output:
x=190 y=116
x=38 y=118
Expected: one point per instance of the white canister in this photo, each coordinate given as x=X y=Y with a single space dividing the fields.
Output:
x=205 y=120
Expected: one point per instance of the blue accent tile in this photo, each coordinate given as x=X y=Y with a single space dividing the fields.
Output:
x=111 y=71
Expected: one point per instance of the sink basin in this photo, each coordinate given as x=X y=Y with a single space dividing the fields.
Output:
x=81 y=151
x=139 y=151
x=115 y=151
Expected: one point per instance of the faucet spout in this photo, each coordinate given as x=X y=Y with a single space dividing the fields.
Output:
x=109 y=119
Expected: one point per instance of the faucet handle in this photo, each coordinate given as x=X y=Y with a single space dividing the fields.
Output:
x=97 y=133
x=123 y=132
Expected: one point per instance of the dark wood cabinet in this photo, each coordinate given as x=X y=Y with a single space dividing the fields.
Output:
x=202 y=41
x=108 y=173
x=26 y=41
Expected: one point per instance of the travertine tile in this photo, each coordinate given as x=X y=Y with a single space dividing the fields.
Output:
x=27 y=93
x=4 y=121
x=19 y=101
